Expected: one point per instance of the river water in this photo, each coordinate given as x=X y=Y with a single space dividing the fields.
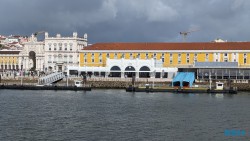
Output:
x=118 y=115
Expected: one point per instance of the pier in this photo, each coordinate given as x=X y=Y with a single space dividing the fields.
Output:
x=178 y=90
x=33 y=87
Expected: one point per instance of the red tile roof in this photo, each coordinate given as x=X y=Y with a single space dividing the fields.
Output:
x=171 y=46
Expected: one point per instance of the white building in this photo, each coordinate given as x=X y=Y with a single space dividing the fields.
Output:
x=61 y=52
x=11 y=40
x=32 y=55
x=52 y=54
x=127 y=67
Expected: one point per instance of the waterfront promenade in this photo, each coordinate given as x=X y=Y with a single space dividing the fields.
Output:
x=8 y=78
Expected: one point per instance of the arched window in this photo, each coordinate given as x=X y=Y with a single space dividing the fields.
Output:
x=71 y=59
x=144 y=72
x=65 y=58
x=49 y=59
x=60 y=57
x=55 y=45
x=115 y=71
x=55 y=59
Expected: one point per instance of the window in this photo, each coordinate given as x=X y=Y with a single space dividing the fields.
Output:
x=206 y=59
x=195 y=57
x=107 y=55
x=60 y=46
x=49 y=46
x=171 y=58
x=131 y=56
x=54 y=46
x=122 y=55
x=225 y=57
x=49 y=59
x=245 y=58
x=138 y=55
x=115 y=56
x=146 y=55
x=187 y=57
x=65 y=58
x=55 y=59
x=179 y=58
x=59 y=57
x=71 y=59
x=65 y=46
x=70 y=46
x=234 y=57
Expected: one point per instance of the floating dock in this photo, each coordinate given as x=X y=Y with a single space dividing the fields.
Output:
x=32 y=87
x=174 y=90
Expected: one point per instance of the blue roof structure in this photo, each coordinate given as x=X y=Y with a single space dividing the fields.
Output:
x=188 y=80
x=184 y=79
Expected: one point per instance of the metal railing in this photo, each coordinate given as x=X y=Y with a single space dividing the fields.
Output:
x=51 y=78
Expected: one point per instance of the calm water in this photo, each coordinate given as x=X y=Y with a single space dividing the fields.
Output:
x=119 y=115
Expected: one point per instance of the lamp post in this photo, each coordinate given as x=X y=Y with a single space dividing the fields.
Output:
x=67 y=71
x=210 y=80
x=154 y=73
x=21 y=73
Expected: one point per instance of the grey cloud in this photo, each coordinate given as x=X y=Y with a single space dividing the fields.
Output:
x=129 y=20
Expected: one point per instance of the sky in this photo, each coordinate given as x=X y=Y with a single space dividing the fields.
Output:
x=129 y=20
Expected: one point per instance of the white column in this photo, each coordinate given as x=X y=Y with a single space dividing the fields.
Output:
x=137 y=75
x=37 y=64
x=122 y=74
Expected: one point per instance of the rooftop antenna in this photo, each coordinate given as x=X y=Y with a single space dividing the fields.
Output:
x=185 y=33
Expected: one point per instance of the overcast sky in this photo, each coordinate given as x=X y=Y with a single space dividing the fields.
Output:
x=129 y=20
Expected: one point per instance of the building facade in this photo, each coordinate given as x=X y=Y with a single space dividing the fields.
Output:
x=9 y=60
x=61 y=52
x=32 y=55
x=170 y=56
x=50 y=55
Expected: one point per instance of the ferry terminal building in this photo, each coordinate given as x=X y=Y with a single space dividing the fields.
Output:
x=216 y=60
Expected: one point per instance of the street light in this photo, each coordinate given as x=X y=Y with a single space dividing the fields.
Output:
x=21 y=73
x=154 y=73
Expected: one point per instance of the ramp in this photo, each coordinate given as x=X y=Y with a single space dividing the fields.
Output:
x=183 y=79
x=51 y=78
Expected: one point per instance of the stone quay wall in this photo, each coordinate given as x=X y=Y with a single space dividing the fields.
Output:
x=112 y=83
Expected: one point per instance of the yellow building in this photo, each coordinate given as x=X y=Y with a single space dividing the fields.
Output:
x=196 y=57
x=9 y=60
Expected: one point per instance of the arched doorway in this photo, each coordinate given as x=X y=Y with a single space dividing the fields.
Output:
x=115 y=71
x=129 y=71
x=32 y=56
x=144 y=72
